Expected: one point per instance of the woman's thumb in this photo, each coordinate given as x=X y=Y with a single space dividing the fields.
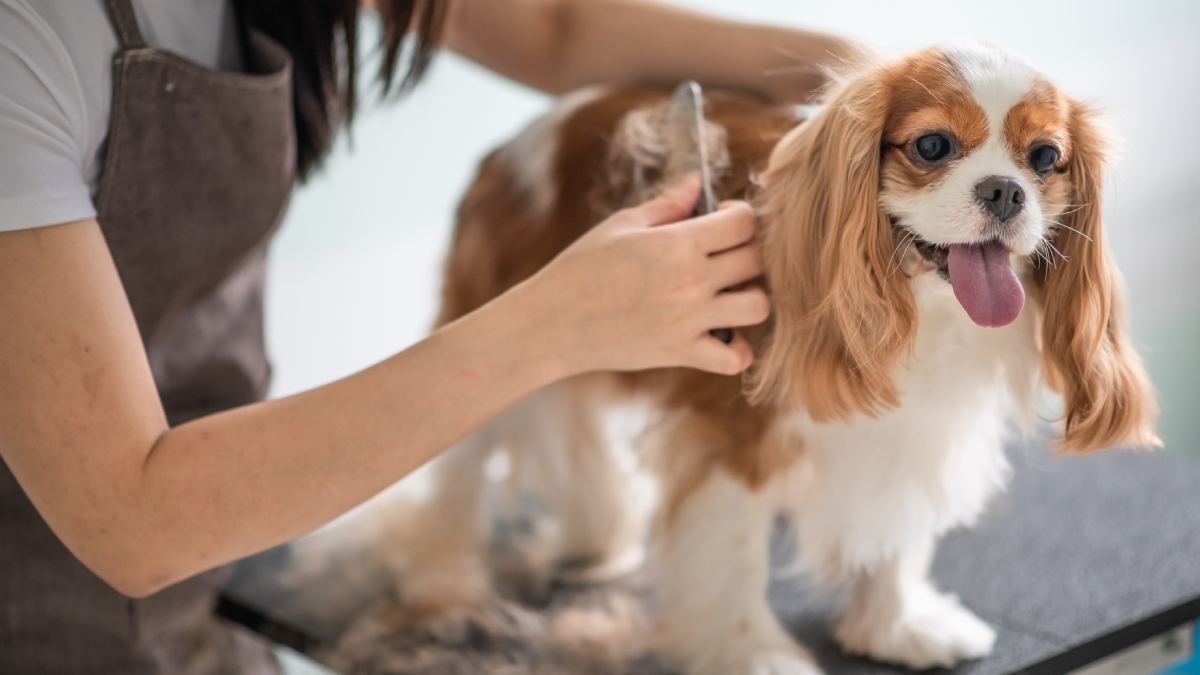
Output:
x=677 y=203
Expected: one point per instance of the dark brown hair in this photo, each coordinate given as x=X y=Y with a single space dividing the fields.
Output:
x=322 y=37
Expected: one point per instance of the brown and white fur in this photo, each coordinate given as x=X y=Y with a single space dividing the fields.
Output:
x=876 y=413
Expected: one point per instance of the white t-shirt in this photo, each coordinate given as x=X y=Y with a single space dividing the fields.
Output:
x=56 y=90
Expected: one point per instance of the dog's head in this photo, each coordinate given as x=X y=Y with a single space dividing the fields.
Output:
x=966 y=164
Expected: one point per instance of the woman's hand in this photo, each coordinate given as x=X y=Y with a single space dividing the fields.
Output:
x=642 y=289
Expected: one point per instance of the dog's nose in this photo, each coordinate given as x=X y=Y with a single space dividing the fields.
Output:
x=1001 y=195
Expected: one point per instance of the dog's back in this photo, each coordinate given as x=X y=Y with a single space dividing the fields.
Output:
x=599 y=150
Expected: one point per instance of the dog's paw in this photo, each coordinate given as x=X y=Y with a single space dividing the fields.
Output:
x=938 y=631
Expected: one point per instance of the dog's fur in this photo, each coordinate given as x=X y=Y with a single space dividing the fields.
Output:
x=876 y=412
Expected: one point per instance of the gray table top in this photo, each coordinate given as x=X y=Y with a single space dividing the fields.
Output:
x=1077 y=549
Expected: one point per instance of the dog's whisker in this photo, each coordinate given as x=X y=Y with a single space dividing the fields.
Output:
x=906 y=242
x=904 y=237
x=1068 y=227
x=908 y=237
x=900 y=260
x=1074 y=208
x=1041 y=253
x=1055 y=249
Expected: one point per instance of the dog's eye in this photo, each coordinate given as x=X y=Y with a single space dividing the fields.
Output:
x=932 y=148
x=1043 y=158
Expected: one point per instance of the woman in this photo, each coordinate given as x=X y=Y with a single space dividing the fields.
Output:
x=148 y=150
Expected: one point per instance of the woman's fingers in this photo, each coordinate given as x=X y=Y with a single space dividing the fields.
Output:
x=672 y=206
x=748 y=307
x=729 y=226
x=738 y=308
x=736 y=266
x=715 y=356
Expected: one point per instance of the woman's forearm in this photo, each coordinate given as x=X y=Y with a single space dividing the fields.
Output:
x=559 y=45
x=230 y=484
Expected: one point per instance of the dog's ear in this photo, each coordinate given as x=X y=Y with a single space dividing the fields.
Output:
x=1107 y=397
x=842 y=317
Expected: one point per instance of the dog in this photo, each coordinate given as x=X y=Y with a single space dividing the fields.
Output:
x=935 y=254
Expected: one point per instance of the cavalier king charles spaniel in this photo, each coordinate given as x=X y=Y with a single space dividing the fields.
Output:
x=934 y=251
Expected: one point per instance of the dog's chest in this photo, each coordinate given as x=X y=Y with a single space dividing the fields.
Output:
x=878 y=485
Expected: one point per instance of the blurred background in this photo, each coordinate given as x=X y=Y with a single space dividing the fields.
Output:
x=354 y=274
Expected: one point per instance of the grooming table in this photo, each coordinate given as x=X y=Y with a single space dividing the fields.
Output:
x=1086 y=564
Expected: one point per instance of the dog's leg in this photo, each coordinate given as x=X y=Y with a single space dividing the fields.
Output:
x=560 y=450
x=896 y=615
x=712 y=549
x=436 y=547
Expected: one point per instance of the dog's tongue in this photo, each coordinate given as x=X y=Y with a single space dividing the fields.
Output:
x=985 y=284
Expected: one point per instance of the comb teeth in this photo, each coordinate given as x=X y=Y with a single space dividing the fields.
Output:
x=685 y=138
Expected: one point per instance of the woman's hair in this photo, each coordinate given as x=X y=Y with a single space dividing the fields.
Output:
x=322 y=38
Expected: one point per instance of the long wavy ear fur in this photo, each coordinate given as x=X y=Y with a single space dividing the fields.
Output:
x=841 y=320
x=1107 y=396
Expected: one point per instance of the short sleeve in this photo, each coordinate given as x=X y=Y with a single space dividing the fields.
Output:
x=42 y=125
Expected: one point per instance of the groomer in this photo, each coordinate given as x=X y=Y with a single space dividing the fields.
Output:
x=147 y=152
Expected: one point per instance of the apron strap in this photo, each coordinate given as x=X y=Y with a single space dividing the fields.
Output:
x=124 y=21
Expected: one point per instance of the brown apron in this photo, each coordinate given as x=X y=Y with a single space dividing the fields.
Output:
x=198 y=168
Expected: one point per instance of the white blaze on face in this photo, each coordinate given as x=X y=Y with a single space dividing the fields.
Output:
x=998 y=81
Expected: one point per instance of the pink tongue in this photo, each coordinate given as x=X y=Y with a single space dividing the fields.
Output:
x=985 y=284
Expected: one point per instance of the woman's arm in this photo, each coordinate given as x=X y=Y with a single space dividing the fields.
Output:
x=144 y=505
x=559 y=45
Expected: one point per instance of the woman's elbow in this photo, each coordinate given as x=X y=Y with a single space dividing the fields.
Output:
x=135 y=584
x=129 y=565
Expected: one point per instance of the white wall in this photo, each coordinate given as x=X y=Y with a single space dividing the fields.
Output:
x=354 y=272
